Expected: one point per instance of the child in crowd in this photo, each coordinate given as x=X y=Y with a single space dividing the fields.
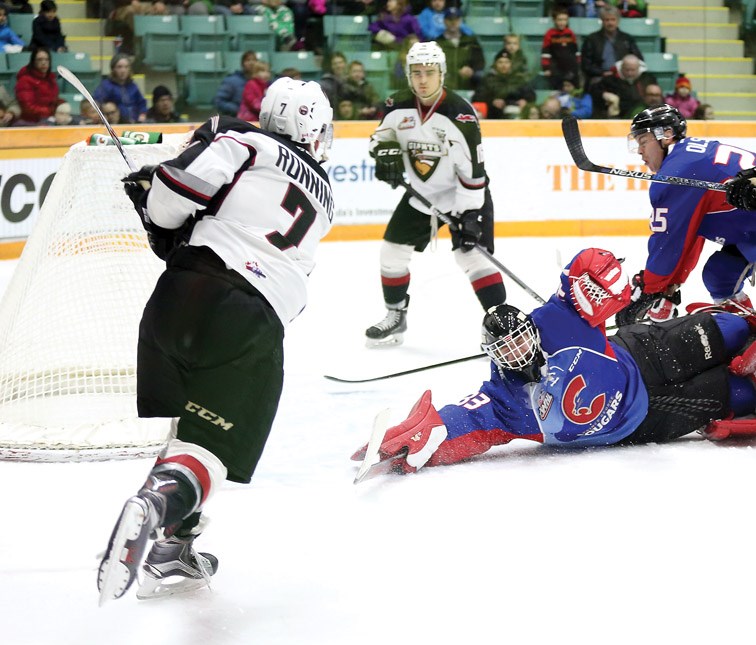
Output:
x=394 y=25
x=704 y=112
x=362 y=94
x=431 y=20
x=281 y=22
x=513 y=46
x=682 y=98
x=346 y=111
x=10 y=41
x=254 y=90
x=504 y=91
x=62 y=116
x=573 y=100
x=46 y=31
x=560 y=56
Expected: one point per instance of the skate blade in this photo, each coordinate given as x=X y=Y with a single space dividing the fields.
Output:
x=372 y=457
x=152 y=588
x=114 y=575
x=390 y=341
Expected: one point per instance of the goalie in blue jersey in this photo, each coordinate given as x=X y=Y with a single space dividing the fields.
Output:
x=556 y=378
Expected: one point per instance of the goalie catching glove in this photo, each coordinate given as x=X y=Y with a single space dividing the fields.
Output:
x=162 y=240
x=741 y=190
x=657 y=306
x=389 y=163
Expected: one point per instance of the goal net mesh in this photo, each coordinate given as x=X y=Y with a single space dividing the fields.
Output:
x=70 y=315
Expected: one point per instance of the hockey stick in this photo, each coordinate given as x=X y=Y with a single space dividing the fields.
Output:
x=484 y=251
x=571 y=132
x=71 y=78
x=405 y=372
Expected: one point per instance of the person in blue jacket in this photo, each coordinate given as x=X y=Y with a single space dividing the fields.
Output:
x=557 y=379
x=228 y=97
x=7 y=35
x=121 y=89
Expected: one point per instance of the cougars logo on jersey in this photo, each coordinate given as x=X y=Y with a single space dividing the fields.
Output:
x=572 y=405
x=424 y=158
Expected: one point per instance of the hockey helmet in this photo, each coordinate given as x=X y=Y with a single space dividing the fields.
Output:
x=598 y=285
x=299 y=111
x=657 y=120
x=511 y=340
x=425 y=54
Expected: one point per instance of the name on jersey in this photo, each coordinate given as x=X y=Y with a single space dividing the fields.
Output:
x=300 y=172
x=605 y=418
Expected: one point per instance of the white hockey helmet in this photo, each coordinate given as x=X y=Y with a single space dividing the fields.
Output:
x=425 y=54
x=299 y=111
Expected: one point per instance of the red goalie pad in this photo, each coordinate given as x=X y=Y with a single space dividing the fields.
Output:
x=730 y=429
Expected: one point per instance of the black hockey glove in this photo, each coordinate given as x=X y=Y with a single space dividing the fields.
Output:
x=389 y=163
x=741 y=190
x=470 y=229
x=640 y=303
x=137 y=185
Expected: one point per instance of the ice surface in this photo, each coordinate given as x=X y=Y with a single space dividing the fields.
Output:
x=649 y=544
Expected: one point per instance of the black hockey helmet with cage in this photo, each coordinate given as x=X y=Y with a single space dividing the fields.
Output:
x=511 y=340
x=657 y=120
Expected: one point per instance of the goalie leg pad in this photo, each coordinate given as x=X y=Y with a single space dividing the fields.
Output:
x=730 y=429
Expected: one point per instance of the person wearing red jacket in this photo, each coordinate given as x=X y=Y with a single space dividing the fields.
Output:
x=37 y=88
x=560 y=56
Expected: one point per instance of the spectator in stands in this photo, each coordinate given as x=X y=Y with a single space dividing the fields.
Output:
x=18 y=6
x=682 y=98
x=551 y=108
x=513 y=46
x=121 y=89
x=121 y=21
x=630 y=8
x=211 y=7
x=529 y=111
x=290 y=72
x=621 y=94
x=62 y=116
x=333 y=79
x=574 y=100
x=254 y=90
x=12 y=109
x=362 y=94
x=346 y=111
x=46 y=31
x=584 y=8
x=281 y=21
x=431 y=21
x=229 y=95
x=37 y=88
x=394 y=25
x=503 y=91
x=603 y=48
x=168 y=7
x=87 y=114
x=399 y=76
x=3 y=112
x=653 y=96
x=355 y=7
x=111 y=112
x=704 y=112
x=560 y=56
x=163 y=107
x=464 y=55
x=10 y=41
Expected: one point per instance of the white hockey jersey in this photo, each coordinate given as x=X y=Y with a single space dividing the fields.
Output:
x=443 y=153
x=262 y=204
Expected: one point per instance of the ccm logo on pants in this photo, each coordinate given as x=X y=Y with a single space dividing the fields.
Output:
x=204 y=413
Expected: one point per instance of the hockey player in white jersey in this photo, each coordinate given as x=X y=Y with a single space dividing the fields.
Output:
x=433 y=135
x=237 y=216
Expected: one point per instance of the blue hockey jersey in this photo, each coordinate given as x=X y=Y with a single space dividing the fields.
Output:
x=683 y=217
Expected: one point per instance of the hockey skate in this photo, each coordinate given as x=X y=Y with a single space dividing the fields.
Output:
x=173 y=566
x=139 y=520
x=390 y=331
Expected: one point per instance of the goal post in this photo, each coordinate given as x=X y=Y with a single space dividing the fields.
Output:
x=70 y=315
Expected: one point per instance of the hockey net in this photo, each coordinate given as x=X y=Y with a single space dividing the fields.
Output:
x=70 y=315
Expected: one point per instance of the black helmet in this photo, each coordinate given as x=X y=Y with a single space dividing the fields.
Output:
x=658 y=119
x=512 y=341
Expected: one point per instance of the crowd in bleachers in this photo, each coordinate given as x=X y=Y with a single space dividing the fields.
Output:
x=589 y=58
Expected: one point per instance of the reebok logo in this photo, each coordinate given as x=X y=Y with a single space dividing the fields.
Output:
x=204 y=413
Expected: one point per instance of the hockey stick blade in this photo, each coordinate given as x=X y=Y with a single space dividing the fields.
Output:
x=383 y=377
x=482 y=250
x=571 y=132
x=73 y=79
x=372 y=458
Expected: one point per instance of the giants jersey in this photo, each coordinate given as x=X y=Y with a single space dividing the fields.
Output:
x=263 y=204
x=683 y=217
x=443 y=154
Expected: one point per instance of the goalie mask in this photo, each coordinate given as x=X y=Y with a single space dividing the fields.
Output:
x=598 y=285
x=299 y=111
x=512 y=341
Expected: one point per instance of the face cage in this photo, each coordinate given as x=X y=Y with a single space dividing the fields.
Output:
x=517 y=350
x=325 y=139
x=632 y=142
